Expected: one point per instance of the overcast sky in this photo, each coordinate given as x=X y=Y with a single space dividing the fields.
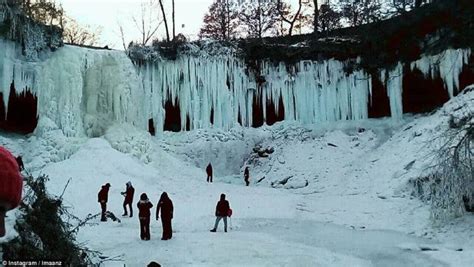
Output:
x=107 y=14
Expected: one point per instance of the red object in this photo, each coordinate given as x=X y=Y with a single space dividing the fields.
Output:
x=11 y=181
x=229 y=213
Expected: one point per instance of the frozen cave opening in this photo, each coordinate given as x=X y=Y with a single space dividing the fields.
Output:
x=21 y=114
x=422 y=94
x=379 y=103
x=270 y=115
x=172 y=116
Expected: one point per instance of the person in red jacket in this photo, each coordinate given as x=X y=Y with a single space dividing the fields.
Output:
x=222 y=212
x=11 y=185
x=103 y=197
x=209 y=173
x=166 y=206
x=128 y=194
x=144 y=206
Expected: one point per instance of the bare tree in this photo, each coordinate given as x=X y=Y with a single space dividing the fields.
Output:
x=163 y=13
x=287 y=16
x=403 y=6
x=316 y=16
x=221 y=21
x=329 y=19
x=358 y=12
x=259 y=17
x=147 y=23
x=44 y=11
x=174 y=24
x=74 y=33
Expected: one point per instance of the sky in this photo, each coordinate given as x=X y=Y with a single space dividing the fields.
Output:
x=107 y=14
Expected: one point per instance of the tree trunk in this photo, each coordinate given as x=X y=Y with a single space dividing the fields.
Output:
x=316 y=16
x=174 y=24
x=165 y=21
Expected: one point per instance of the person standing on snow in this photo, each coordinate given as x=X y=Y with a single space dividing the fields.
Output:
x=247 y=176
x=209 y=173
x=103 y=198
x=166 y=206
x=222 y=212
x=144 y=206
x=128 y=194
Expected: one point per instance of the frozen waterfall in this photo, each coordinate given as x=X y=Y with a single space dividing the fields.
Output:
x=84 y=91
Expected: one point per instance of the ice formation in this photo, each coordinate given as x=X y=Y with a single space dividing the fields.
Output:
x=81 y=91
x=447 y=65
x=84 y=91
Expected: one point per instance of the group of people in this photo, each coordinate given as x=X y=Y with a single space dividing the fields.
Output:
x=246 y=174
x=165 y=207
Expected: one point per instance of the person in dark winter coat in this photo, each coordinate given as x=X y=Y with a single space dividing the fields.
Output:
x=19 y=161
x=128 y=194
x=222 y=212
x=166 y=206
x=103 y=198
x=209 y=173
x=144 y=206
x=247 y=176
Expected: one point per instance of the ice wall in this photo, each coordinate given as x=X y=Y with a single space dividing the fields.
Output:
x=84 y=91
x=311 y=92
x=80 y=91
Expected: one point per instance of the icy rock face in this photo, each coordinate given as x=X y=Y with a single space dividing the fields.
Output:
x=83 y=91
x=311 y=92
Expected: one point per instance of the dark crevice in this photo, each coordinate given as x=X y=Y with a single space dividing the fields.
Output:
x=379 y=105
x=172 y=116
x=151 y=127
x=21 y=116
x=422 y=94
x=257 y=108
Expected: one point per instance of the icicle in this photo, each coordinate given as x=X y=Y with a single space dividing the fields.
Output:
x=447 y=65
x=394 y=86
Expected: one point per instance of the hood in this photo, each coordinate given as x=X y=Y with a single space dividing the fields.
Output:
x=129 y=184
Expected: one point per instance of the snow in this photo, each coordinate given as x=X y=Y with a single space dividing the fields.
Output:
x=348 y=201
x=336 y=191
x=85 y=91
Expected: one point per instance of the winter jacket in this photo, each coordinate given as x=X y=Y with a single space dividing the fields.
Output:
x=129 y=194
x=246 y=174
x=144 y=207
x=209 y=170
x=222 y=208
x=166 y=206
x=103 y=194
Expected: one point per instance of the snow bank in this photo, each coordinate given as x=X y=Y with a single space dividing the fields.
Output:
x=130 y=140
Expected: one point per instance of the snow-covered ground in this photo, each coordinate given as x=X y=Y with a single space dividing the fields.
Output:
x=335 y=194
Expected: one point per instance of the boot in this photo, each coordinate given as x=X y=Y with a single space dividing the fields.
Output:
x=225 y=230
x=213 y=230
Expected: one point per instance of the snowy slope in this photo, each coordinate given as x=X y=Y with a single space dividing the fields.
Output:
x=335 y=194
